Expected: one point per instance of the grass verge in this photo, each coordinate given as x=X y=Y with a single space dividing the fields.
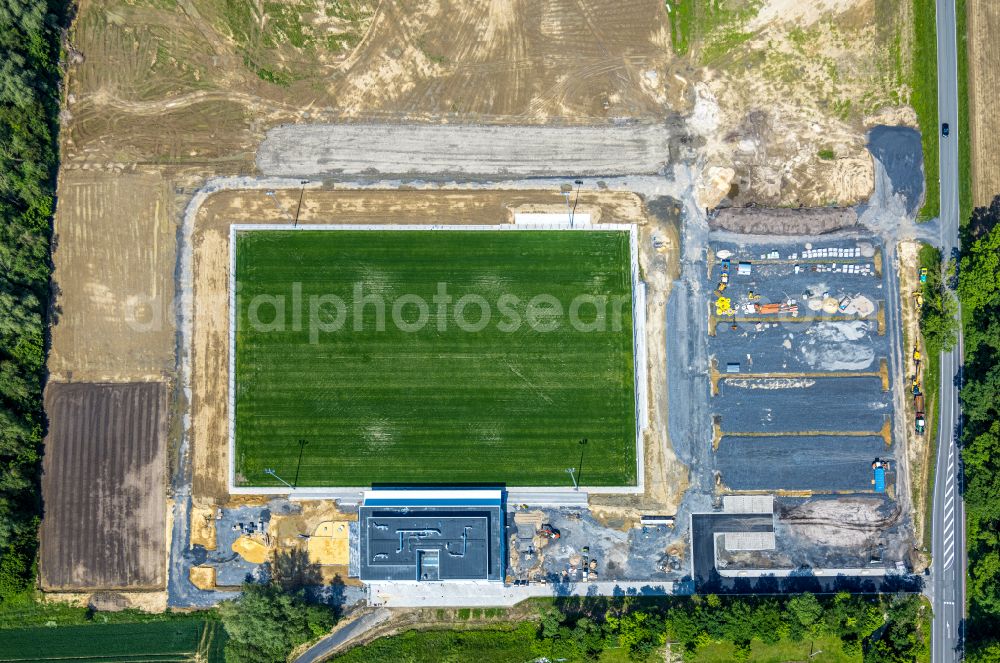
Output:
x=26 y=610
x=933 y=369
x=926 y=628
x=931 y=259
x=494 y=645
x=923 y=85
x=822 y=649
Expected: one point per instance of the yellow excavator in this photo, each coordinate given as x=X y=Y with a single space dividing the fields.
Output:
x=723 y=307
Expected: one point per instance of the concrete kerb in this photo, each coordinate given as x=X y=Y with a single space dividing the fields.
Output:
x=349 y=493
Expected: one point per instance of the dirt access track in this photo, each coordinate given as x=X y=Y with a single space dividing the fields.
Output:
x=104 y=476
x=210 y=265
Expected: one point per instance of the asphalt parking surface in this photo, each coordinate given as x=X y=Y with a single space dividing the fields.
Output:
x=798 y=463
x=839 y=404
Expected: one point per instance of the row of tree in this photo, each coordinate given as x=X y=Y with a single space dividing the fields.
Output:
x=979 y=292
x=888 y=629
x=29 y=109
x=937 y=313
x=266 y=623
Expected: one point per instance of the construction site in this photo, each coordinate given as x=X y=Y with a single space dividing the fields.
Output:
x=778 y=402
x=801 y=387
x=807 y=394
x=787 y=350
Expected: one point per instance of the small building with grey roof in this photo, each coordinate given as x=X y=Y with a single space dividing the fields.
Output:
x=431 y=535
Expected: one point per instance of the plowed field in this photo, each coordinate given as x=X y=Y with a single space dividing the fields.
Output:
x=104 y=487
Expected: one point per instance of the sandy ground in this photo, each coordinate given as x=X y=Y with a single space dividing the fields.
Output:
x=666 y=477
x=210 y=350
x=513 y=61
x=154 y=602
x=150 y=86
x=203 y=577
x=203 y=527
x=918 y=447
x=984 y=106
x=287 y=531
x=114 y=258
x=809 y=77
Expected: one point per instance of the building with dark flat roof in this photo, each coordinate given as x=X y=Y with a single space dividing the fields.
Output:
x=428 y=535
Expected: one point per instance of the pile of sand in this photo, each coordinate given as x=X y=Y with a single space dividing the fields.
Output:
x=328 y=544
x=250 y=549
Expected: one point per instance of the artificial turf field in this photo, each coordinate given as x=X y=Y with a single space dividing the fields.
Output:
x=441 y=404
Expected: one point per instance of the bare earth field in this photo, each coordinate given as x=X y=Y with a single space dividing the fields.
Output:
x=114 y=256
x=786 y=94
x=205 y=73
x=918 y=447
x=104 y=473
x=776 y=97
x=984 y=108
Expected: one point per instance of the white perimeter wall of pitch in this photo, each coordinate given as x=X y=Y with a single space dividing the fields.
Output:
x=638 y=342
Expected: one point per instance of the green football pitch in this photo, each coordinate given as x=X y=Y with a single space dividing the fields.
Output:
x=435 y=357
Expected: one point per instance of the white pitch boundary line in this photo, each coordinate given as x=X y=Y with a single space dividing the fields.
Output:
x=638 y=331
x=232 y=359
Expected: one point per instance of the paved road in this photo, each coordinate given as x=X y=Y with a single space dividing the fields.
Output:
x=948 y=541
x=322 y=649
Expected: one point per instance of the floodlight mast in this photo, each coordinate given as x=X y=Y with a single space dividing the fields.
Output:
x=572 y=215
x=571 y=210
x=573 y=470
x=572 y=476
x=275 y=475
